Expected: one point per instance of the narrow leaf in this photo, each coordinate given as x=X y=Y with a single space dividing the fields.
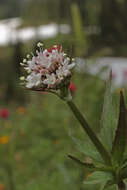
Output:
x=86 y=165
x=108 y=119
x=120 y=140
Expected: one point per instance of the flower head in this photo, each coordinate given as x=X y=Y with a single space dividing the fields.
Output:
x=4 y=113
x=49 y=69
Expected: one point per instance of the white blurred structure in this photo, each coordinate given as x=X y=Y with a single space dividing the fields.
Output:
x=103 y=66
x=9 y=31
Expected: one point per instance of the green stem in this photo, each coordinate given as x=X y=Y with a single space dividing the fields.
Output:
x=101 y=149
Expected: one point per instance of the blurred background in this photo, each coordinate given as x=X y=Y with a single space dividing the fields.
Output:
x=36 y=129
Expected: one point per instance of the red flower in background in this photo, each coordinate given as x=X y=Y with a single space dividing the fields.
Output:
x=72 y=87
x=4 y=113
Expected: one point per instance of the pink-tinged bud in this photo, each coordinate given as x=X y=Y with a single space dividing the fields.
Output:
x=4 y=113
x=72 y=87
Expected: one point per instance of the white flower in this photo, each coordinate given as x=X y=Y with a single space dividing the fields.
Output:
x=64 y=70
x=43 y=60
x=31 y=65
x=34 y=79
x=49 y=56
x=56 y=56
x=50 y=79
x=66 y=64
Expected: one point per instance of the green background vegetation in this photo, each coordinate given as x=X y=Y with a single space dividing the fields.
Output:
x=40 y=126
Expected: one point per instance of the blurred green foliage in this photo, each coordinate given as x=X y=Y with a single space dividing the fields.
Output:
x=81 y=45
x=40 y=126
x=106 y=18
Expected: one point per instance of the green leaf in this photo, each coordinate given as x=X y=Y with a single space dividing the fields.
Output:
x=120 y=140
x=88 y=150
x=99 y=178
x=91 y=134
x=108 y=119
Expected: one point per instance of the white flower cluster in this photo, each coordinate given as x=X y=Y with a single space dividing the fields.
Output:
x=48 y=69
